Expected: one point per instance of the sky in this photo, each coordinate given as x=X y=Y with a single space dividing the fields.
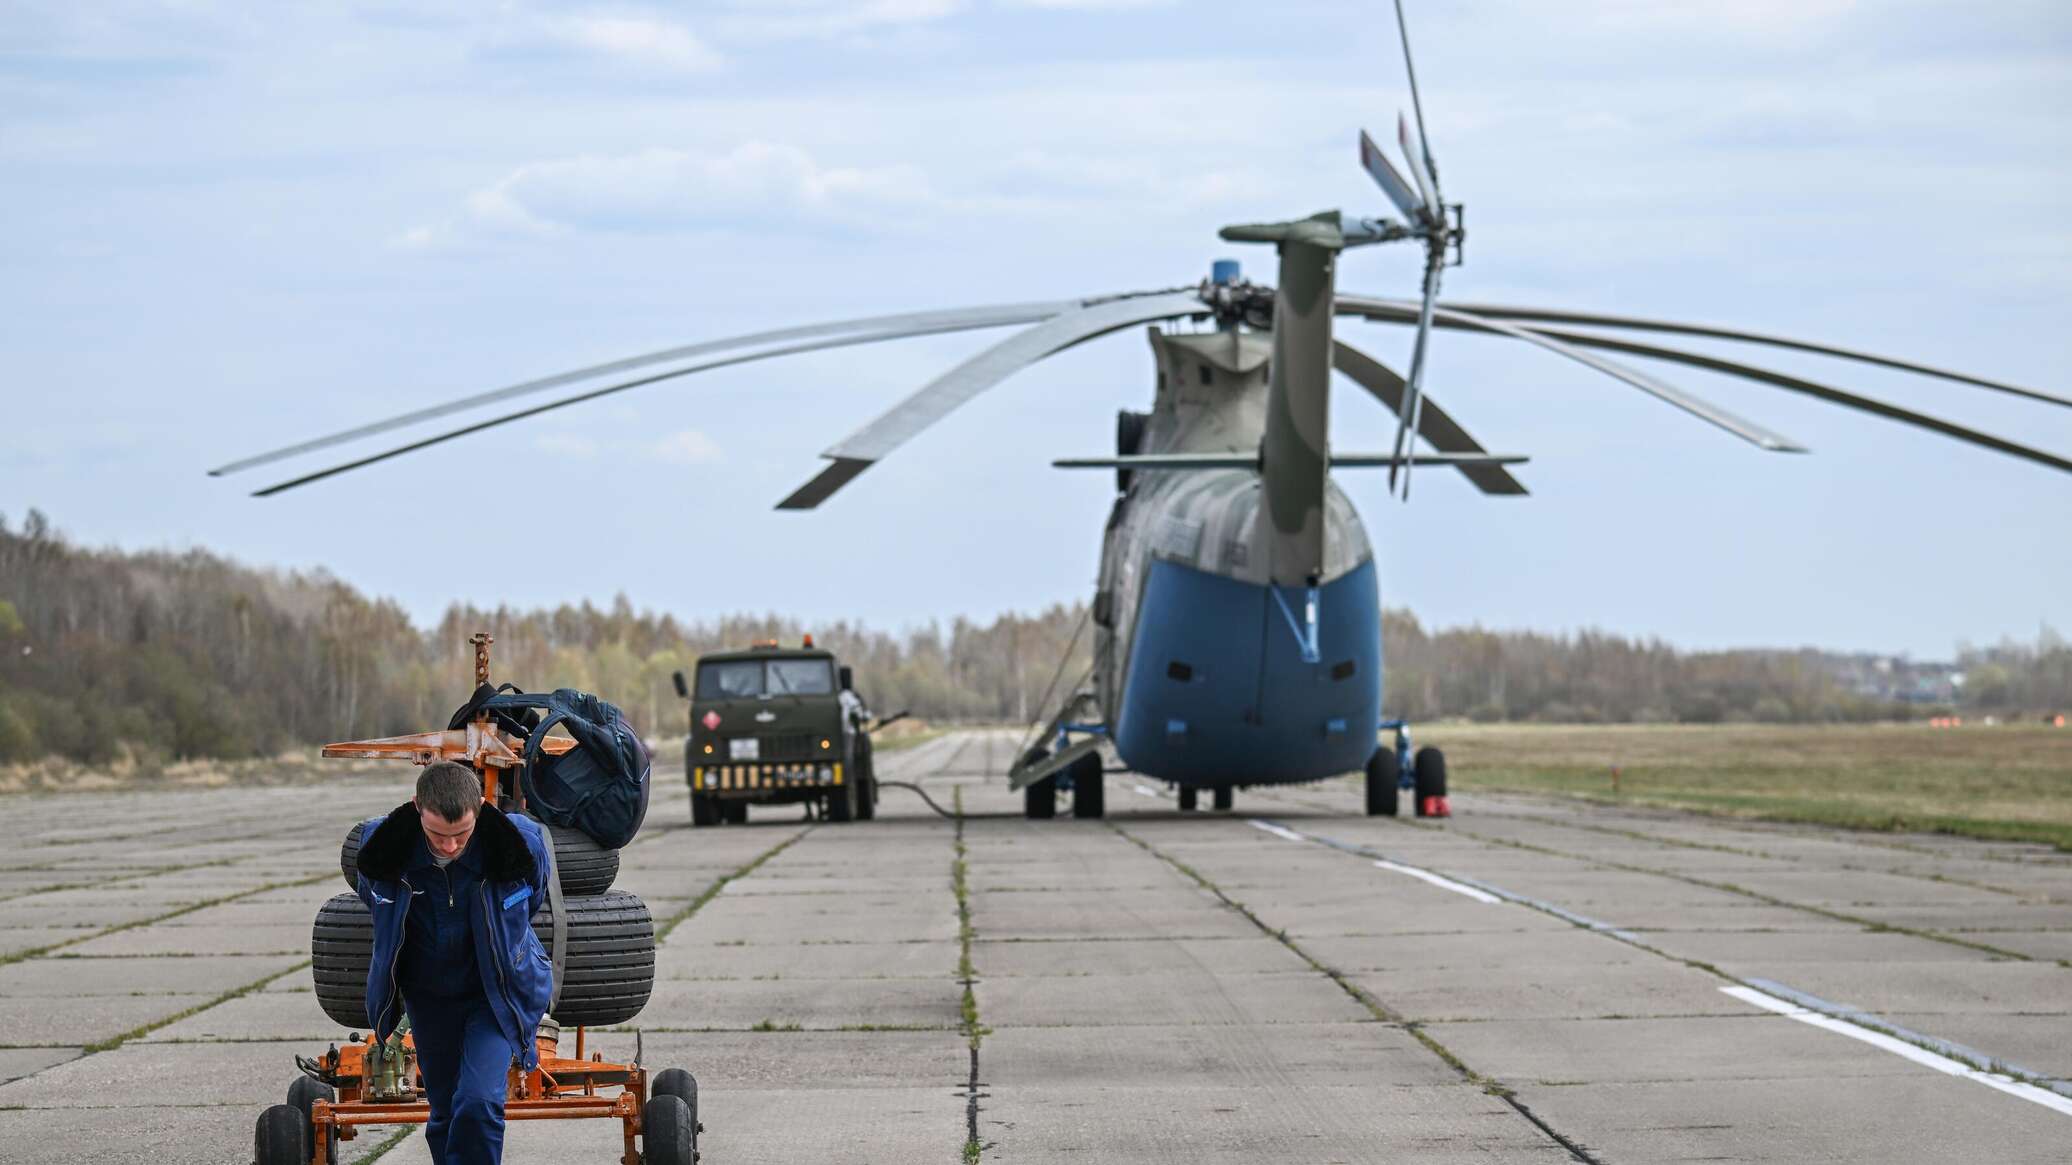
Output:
x=225 y=227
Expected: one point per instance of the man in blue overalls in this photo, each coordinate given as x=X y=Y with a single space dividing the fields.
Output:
x=452 y=882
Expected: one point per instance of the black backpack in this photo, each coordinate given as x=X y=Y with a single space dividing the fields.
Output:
x=600 y=786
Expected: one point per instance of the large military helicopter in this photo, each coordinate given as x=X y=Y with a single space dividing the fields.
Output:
x=1237 y=612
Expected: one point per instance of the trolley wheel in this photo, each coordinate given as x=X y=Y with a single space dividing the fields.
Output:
x=680 y=1084
x=303 y=1093
x=349 y=856
x=1226 y=796
x=277 y=1140
x=668 y=1134
x=1429 y=770
x=1189 y=798
x=1039 y=800
x=1384 y=773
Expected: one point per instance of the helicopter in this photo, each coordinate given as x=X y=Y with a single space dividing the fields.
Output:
x=1237 y=608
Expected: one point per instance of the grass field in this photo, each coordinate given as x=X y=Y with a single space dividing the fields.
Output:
x=2005 y=782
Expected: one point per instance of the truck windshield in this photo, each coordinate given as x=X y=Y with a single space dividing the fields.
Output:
x=739 y=679
x=733 y=680
x=801 y=677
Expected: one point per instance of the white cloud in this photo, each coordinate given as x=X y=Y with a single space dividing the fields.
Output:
x=644 y=40
x=686 y=447
x=671 y=190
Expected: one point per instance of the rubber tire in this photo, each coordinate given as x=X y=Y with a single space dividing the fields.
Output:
x=1089 y=790
x=303 y=1093
x=609 y=971
x=1040 y=800
x=1429 y=771
x=668 y=1132
x=1225 y=797
x=678 y=1083
x=841 y=802
x=341 y=945
x=1189 y=797
x=277 y=1137
x=607 y=975
x=866 y=781
x=1384 y=775
x=349 y=856
x=734 y=812
x=705 y=810
x=585 y=867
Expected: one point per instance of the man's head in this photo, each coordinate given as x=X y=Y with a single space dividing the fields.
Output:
x=448 y=794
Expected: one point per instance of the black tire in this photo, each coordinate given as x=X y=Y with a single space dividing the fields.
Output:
x=704 y=810
x=734 y=812
x=1225 y=797
x=586 y=868
x=303 y=1093
x=866 y=781
x=349 y=856
x=608 y=971
x=277 y=1139
x=1089 y=790
x=668 y=1132
x=1040 y=800
x=1188 y=796
x=680 y=1084
x=1384 y=773
x=1429 y=771
x=341 y=945
x=841 y=801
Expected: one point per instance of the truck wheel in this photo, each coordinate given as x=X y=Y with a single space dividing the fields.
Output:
x=668 y=1133
x=704 y=810
x=866 y=781
x=1384 y=772
x=1189 y=798
x=277 y=1140
x=734 y=812
x=1225 y=797
x=341 y=945
x=1430 y=774
x=609 y=970
x=1089 y=794
x=841 y=802
x=303 y=1093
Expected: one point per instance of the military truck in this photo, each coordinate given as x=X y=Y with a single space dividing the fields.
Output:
x=775 y=725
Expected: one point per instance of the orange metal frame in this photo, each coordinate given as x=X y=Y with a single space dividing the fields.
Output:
x=559 y=1089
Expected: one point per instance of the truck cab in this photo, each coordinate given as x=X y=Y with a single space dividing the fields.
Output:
x=775 y=725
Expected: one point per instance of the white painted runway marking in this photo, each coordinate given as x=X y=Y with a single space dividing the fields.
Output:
x=1898 y=1047
x=1442 y=883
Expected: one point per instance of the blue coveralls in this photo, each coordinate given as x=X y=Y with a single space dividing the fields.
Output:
x=464 y=1055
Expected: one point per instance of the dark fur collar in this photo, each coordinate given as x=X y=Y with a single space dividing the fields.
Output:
x=387 y=853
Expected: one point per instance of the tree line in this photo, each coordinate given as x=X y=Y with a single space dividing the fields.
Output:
x=162 y=655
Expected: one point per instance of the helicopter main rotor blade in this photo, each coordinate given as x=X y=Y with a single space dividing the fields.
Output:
x=936 y=400
x=1397 y=311
x=1435 y=425
x=1427 y=186
x=1815 y=389
x=1536 y=315
x=924 y=323
x=608 y=390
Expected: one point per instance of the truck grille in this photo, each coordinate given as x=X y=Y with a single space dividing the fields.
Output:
x=794 y=746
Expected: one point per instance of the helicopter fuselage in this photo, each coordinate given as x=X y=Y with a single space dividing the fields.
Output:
x=1199 y=657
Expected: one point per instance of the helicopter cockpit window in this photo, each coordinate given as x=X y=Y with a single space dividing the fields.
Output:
x=733 y=680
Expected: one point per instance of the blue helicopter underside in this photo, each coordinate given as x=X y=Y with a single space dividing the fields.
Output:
x=1218 y=691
